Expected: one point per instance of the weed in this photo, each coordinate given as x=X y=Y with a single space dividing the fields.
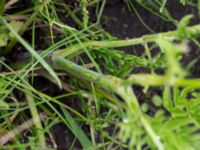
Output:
x=59 y=66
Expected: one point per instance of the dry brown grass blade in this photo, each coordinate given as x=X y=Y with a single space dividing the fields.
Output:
x=11 y=134
x=9 y=4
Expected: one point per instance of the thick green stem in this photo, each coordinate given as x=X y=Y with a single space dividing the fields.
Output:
x=109 y=82
x=115 y=85
x=159 y=80
x=78 y=48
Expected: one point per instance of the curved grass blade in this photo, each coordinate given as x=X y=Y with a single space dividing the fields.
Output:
x=33 y=52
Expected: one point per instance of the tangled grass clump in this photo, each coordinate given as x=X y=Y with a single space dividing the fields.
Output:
x=84 y=66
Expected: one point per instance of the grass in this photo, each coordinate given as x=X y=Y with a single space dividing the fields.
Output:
x=78 y=76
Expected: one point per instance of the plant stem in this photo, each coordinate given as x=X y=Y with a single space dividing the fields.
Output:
x=77 y=49
x=159 y=80
x=115 y=85
x=78 y=71
x=85 y=13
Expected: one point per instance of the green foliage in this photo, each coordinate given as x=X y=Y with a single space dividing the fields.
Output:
x=6 y=34
x=3 y=91
x=198 y=5
x=85 y=13
x=16 y=25
x=89 y=85
x=183 y=2
x=172 y=56
x=117 y=62
x=3 y=39
x=182 y=27
x=180 y=128
x=78 y=132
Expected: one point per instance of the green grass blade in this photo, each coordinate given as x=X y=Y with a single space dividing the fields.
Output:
x=33 y=52
x=77 y=131
x=36 y=118
x=2 y=4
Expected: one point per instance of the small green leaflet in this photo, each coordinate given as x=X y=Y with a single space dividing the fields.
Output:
x=3 y=39
x=15 y=25
x=183 y=2
x=182 y=27
x=5 y=34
